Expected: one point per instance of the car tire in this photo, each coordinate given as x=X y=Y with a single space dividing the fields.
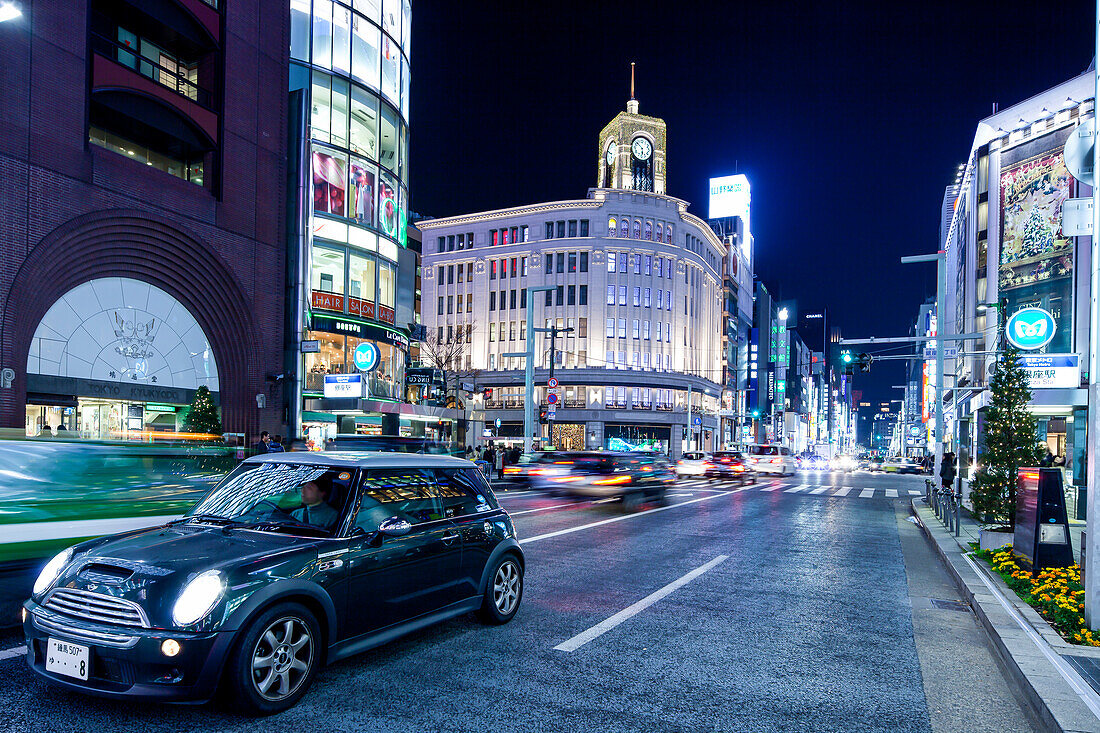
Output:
x=268 y=637
x=632 y=502
x=503 y=592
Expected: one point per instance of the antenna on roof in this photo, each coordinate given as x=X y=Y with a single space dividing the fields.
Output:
x=632 y=80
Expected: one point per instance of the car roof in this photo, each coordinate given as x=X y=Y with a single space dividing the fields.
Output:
x=363 y=459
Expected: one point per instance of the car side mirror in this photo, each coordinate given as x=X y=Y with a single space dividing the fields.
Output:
x=394 y=527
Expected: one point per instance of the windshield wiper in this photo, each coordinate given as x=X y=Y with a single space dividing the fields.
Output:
x=201 y=517
x=282 y=524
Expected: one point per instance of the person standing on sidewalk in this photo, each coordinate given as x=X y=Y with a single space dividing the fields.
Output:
x=947 y=470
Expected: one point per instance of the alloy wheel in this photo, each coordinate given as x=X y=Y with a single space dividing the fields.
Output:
x=506 y=587
x=282 y=658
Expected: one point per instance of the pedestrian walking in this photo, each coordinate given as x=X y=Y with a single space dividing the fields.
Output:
x=262 y=446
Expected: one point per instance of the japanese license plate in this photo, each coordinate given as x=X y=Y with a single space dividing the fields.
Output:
x=68 y=659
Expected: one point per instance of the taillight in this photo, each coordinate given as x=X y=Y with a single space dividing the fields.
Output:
x=738 y=467
x=708 y=465
x=612 y=480
x=538 y=471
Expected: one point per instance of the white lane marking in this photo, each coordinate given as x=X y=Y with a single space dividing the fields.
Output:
x=624 y=517
x=19 y=651
x=1069 y=674
x=843 y=491
x=914 y=492
x=683 y=493
x=606 y=501
x=542 y=509
x=866 y=493
x=773 y=488
x=65 y=529
x=891 y=493
x=606 y=625
x=796 y=489
x=820 y=490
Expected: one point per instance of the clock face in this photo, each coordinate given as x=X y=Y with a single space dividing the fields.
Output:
x=641 y=148
x=611 y=153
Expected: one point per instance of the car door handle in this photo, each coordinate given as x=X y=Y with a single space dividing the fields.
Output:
x=449 y=538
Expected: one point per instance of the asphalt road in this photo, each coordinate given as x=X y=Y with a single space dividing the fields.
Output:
x=790 y=605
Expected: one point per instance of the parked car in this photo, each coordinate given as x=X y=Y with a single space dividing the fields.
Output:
x=731 y=465
x=293 y=561
x=901 y=465
x=771 y=459
x=692 y=464
x=633 y=477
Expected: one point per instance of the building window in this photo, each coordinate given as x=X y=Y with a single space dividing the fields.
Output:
x=450 y=304
x=549 y=298
x=440 y=311
x=561 y=229
x=582 y=326
x=515 y=234
x=646 y=299
x=492 y=300
x=582 y=358
x=668 y=236
x=645 y=330
x=648 y=264
x=572 y=300
x=514 y=263
x=524 y=234
x=512 y=331
x=624 y=228
x=572 y=262
x=492 y=337
x=441 y=242
x=492 y=269
x=623 y=260
x=492 y=357
x=660 y=231
x=469 y=240
x=504 y=237
x=582 y=298
x=637 y=297
x=561 y=262
x=584 y=227
x=636 y=261
x=611 y=226
x=512 y=299
x=622 y=295
x=450 y=274
x=611 y=295
x=572 y=227
x=461 y=272
x=649 y=230
x=549 y=230
x=637 y=229
x=584 y=262
x=634 y=331
x=503 y=296
x=469 y=302
x=611 y=328
x=657 y=326
x=503 y=268
x=496 y=237
x=635 y=362
x=611 y=261
x=622 y=328
x=523 y=298
x=559 y=292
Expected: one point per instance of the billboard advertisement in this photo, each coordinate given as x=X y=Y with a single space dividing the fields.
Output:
x=1037 y=259
x=730 y=196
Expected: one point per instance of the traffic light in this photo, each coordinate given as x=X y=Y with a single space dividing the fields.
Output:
x=542 y=415
x=487 y=393
x=755 y=414
x=846 y=359
x=865 y=363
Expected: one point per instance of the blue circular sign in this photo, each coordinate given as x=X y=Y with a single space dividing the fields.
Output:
x=1030 y=328
x=366 y=356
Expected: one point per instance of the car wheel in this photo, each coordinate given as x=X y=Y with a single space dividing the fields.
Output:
x=503 y=593
x=274 y=661
x=632 y=502
x=661 y=496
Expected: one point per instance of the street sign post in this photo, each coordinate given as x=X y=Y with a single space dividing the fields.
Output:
x=552 y=399
x=552 y=382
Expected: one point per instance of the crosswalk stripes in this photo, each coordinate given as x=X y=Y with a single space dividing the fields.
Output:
x=866 y=493
x=914 y=492
x=772 y=488
x=891 y=493
x=820 y=489
x=830 y=490
x=796 y=489
x=843 y=491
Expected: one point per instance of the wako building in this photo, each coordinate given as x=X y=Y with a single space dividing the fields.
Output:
x=352 y=266
x=142 y=171
x=637 y=278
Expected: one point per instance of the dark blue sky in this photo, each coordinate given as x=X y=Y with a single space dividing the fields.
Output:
x=848 y=118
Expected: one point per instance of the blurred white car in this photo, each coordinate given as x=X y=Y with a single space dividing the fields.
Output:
x=692 y=464
x=771 y=459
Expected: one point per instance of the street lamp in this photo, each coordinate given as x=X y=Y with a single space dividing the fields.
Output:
x=9 y=11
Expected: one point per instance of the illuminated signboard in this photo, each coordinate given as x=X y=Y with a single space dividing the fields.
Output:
x=1051 y=371
x=1030 y=328
x=730 y=196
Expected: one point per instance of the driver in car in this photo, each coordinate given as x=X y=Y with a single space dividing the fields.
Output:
x=314 y=509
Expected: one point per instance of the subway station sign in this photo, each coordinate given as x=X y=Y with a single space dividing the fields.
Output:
x=1052 y=371
x=1030 y=328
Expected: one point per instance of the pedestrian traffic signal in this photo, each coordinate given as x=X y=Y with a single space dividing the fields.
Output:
x=865 y=363
x=846 y=357
x=487 y=393
x=542 y=415
x=755 y=414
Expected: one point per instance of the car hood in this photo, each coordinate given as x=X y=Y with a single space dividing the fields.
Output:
x=150 y=567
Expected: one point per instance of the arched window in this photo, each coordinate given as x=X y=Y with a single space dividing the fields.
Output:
x=624 y=228
x=611 y=226
x=649 y=230
x=637 y=229
x=668 y=234
x=660 y=231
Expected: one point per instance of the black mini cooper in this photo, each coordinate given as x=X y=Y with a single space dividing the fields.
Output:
x=294 y=560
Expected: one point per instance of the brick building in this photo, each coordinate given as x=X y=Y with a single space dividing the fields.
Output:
x=143 y=199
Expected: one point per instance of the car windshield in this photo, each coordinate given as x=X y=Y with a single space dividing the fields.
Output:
x=280 y=496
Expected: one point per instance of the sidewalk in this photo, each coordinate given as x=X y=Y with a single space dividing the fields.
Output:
x=1053 y=677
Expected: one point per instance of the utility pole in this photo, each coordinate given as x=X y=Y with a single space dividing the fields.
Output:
x=1090 y=553
x=553 y=331
x=529 y=368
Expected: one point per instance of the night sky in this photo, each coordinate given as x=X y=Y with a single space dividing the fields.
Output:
x=848 y=118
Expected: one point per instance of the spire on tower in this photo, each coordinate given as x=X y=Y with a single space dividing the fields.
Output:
x=632 y=105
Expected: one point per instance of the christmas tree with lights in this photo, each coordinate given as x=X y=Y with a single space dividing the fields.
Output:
x=1010 y=440
x=1037 y=235
x=202 y=417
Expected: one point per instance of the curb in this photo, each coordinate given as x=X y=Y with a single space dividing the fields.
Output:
x=1025 y=645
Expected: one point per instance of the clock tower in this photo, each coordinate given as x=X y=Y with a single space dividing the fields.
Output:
x=632 y=150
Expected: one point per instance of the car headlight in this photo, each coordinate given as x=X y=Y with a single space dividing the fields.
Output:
x=52 y=570
x=198 y=597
